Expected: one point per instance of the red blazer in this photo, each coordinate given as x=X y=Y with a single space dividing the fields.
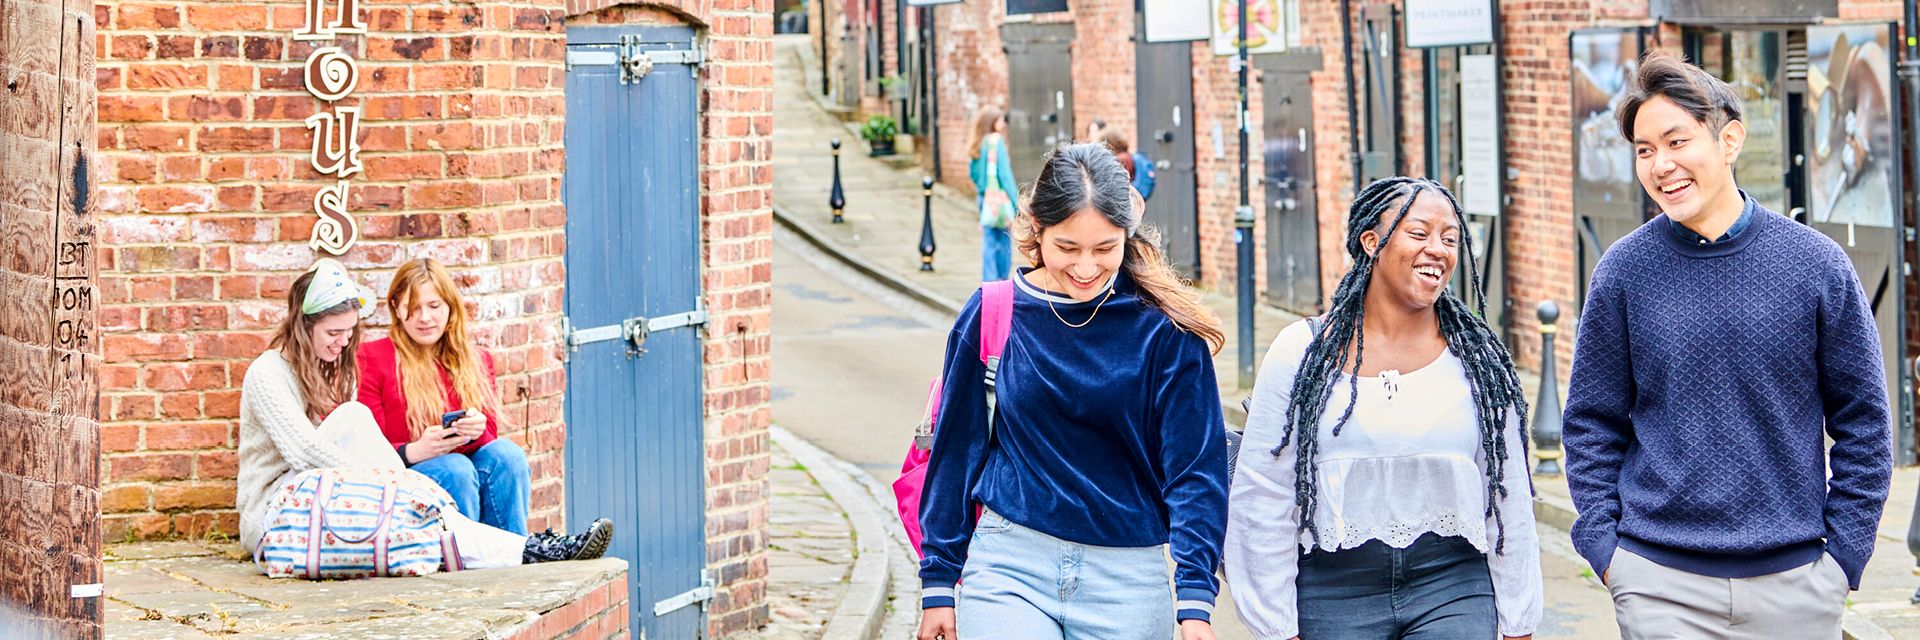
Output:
x=380 y=391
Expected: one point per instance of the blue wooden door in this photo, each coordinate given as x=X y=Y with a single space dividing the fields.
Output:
x=633 y=401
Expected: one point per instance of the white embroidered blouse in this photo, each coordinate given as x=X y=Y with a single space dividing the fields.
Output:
x=1408 y=462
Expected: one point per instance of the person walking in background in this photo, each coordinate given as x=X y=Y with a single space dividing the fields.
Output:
x=1389 y=497
x=428 y=368
x=1140 y=169
x=1105 y=445
x=995 y=191
x=1720 y=346
x=1121 y=152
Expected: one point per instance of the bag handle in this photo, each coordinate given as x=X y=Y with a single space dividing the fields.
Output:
x=379 y=527
x=450 y=552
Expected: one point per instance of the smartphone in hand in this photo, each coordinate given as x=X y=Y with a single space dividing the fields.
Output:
x=446 y=421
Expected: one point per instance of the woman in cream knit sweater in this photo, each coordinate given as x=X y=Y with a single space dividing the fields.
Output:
x=297 y=414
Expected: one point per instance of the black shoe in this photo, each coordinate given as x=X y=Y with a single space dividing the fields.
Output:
x=548 y=546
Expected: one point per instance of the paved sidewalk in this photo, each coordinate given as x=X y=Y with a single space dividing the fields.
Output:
x=810 y=555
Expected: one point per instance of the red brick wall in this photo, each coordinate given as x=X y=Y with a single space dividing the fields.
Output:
x=972 y=74
x=1103 y=67
x=600 y=615
x=207 y=212
x=1216 y=101
x=1539 y=145
x=49 y=345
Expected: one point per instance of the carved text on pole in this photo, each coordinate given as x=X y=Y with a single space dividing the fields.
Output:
x=331 y=75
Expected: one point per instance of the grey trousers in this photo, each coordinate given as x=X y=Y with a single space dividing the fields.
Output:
x=1652 y=602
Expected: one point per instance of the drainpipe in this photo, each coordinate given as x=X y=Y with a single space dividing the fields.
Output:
x=932 y=126
x=1353 y=104
x=826 y=83
x=1243 y=224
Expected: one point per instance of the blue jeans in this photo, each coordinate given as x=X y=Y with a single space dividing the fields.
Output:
x=491 y=485
x=996 y=254
x=1022 y=584
x=1437 y=589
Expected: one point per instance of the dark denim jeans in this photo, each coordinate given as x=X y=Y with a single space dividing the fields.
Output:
x=490 y=486
x=1437 y=589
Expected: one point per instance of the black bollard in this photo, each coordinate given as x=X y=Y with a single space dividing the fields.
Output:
x=1546 y=411
x=839 y=198
x=926 y=224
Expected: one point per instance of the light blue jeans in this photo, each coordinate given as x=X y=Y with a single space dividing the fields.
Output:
x=490 y=486
x=1021 y=584
x=996 y=254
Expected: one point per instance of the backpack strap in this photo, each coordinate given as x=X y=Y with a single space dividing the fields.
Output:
x=996 y=323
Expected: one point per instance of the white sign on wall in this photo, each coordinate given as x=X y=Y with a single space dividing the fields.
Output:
x=1266 y=31
x=1177 y=21
x=930 y=3
x=1479 y=135
x=1449 y=23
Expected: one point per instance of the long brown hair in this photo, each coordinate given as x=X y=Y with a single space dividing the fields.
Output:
x=421 y=364
x=324 y=385
x=982 y=125
x=1075 y=177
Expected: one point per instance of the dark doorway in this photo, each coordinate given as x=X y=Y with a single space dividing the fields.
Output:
x=1163 y=82
x=1293 y=221
x=1040 y=91
x=1380 y=95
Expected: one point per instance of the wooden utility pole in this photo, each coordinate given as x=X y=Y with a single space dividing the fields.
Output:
x=49 y=348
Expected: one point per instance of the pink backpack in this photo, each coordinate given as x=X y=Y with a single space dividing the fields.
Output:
x=996 y=321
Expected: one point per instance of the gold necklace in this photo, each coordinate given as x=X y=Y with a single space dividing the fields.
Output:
x=1089 y=320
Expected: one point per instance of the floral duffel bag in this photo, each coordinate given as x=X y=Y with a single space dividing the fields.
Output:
x=329 y=524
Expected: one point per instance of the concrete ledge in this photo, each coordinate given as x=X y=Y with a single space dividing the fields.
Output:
x=203 y=590
x=863 y=609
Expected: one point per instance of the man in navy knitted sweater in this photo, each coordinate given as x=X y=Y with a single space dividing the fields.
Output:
x=1719 y=343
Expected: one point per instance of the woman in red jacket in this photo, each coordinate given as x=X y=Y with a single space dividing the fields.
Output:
x=420 y=376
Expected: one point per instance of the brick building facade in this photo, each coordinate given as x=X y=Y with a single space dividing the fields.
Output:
x=50 y=543
x=1543 y=258
x=206 y=214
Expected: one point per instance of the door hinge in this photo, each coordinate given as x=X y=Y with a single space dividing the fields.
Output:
x=698 y=595
x=636 y=63
x=633 y=331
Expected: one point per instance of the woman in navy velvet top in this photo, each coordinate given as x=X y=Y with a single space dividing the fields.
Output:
x=1108 y=443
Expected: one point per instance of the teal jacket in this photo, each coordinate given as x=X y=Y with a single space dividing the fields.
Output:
x=978 y=170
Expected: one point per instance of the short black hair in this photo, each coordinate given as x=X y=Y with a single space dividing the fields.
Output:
x=1708 y=99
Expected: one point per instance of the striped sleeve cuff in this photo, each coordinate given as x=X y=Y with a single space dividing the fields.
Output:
x=1194 y=604
x=934 y=595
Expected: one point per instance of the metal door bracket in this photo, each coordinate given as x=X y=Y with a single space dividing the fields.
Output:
x=636 y=64
x=633 y=331
x=698 y=595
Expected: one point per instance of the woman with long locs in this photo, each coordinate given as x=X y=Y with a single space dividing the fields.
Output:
x=1393 y=497
x=1104 y=449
